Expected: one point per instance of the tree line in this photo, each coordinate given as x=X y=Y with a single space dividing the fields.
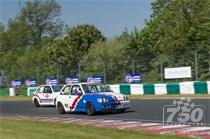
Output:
x=37 y=44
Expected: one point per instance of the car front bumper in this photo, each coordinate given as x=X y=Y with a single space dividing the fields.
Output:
x=123 y=105
x=115 y=106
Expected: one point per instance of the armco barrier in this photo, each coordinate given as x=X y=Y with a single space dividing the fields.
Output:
x=196 y=87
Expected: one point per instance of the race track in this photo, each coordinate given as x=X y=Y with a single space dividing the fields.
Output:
x=141 y=110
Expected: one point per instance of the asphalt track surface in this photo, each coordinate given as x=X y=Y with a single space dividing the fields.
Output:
x=149 y=110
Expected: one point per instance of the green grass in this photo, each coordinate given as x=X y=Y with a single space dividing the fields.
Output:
x=20 y=91
x=4 y=91
x=23 y=91
x=25 y=129
x=14 y=98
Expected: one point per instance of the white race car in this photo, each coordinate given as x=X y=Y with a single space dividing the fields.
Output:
x=45 y=95
x=90 y=98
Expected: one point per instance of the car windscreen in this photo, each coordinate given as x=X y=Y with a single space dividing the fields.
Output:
x=103 y=88
x=57 y=88
x=90 y=88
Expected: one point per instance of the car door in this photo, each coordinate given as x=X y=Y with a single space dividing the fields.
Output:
x=76 y=93
x=65 y=97
x=48 y=95
x=39 y=93
x=70 y=97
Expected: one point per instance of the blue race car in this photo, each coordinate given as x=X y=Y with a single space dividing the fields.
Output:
x=90 y=98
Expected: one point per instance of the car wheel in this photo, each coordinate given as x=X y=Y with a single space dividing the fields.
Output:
x=55 y=101
x=60 y=108
x=36 y=103
x=90 y=109
x=122 y=110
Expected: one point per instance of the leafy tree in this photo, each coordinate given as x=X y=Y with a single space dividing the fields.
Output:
x=80 y=38
x=24 y=42
x=108 y=56
x=33 y=44
x=186 y=29
x=67 y=52
x=158 y=7
x=59 y=58
x=34 y=63
x=176 y=31
x=1 y=35
x=40 y=19
x=140 y=49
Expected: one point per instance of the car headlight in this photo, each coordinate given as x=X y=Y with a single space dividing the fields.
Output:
x=100 y=100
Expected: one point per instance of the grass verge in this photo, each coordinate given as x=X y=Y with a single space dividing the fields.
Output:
x=14 y=98
x=25 y=129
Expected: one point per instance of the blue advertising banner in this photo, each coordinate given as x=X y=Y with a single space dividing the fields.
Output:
x=31 y=82
x=94 y=79
x=70 y=80
x=133 y=78
x=16 y=83
x=51 y=81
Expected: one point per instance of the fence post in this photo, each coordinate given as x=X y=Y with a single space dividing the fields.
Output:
x=104 y=70
x=37 y=75
x=196 y=65
x=79 y=69
x=161 y=72
x=58 y=71
x=133 y=66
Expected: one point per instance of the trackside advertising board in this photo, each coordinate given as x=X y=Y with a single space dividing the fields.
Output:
x=94 y=79
x=15 y=83
x=51 y=81
x=70 y=80
x=178 y=72
x=133 y=78
x=31 y=82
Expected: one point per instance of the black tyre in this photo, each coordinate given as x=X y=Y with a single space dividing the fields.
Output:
x=55 y=101
x=90 y=109
x=60 y=108
x=36 y=103
x=122 y=110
